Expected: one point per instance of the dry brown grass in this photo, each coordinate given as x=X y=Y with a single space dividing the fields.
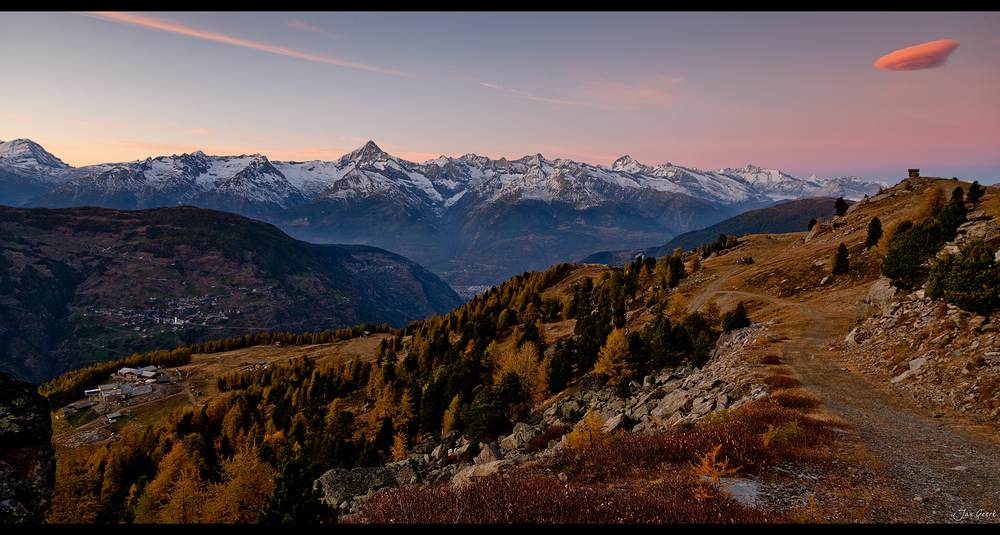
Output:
x=795 y=400
x=779 y=382
x=771 y=359
x=639 y=477
x=533 y=497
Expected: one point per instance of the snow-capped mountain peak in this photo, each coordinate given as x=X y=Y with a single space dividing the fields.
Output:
x=368 y=154
x=27 y=153
x=627 y=164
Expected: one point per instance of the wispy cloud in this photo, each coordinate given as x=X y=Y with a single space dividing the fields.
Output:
x=320 y=154
x=605 y=94
x=153 y=150
x=529 y=96
x=11 y=116
x=170 y=26
x=302 y=25
x=417 y=157
x=653 y=90
x=100 y=124
x=925 y=56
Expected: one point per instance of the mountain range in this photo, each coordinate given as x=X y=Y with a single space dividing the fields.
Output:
x=472 y=220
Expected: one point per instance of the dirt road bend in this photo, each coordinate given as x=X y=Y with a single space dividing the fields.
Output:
x=940 y=470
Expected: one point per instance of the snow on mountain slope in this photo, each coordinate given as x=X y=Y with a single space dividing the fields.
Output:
x=27 y=154
x=780 y=186
x=436 y=185
x=25 y=164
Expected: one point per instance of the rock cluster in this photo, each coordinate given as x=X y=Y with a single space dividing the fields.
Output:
x=945 y=357
x=27 y=459
x=675 y=397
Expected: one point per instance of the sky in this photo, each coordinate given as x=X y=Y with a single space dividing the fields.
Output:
x=827 y=94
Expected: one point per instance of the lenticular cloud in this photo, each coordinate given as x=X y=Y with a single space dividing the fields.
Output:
x=925 y=56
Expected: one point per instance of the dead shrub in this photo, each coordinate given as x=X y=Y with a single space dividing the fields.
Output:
x=629 y=480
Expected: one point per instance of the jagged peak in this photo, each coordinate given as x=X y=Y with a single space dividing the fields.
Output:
x=750 y=168
x=368 y=153
x=627 y=163
x=534 y=160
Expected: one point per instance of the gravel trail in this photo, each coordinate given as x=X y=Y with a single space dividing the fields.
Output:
x=938 y=469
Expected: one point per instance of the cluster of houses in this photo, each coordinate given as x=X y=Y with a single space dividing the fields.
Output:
x=138 y=381
x=175 y=311
x=129 y=383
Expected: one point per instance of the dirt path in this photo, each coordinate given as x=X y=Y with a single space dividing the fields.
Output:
x=937 y=470
x=927 y=468
x=711 y=289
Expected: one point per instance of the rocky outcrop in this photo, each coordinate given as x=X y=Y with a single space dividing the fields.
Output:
x=944 y=357
x=674 y=397
x=27 y=459
x=878 y=300
x=341 y=486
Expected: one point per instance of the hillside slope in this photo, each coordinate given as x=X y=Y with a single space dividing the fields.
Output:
x=87 y=284
x=790 y=216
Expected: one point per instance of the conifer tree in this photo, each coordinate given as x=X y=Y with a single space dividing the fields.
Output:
x=588 y=432
x=975 y=193
x=933 y=205
x=874 y=233
x=711 y=311
x=969 y=280
x=295 y=500
x=840 y=262
x=840 y=206
x=735 y=319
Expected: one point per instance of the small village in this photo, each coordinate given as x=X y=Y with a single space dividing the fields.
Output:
x=127 y=387
x=176 y=312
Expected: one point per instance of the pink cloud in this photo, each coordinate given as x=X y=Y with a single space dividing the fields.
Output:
x=925 y=56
